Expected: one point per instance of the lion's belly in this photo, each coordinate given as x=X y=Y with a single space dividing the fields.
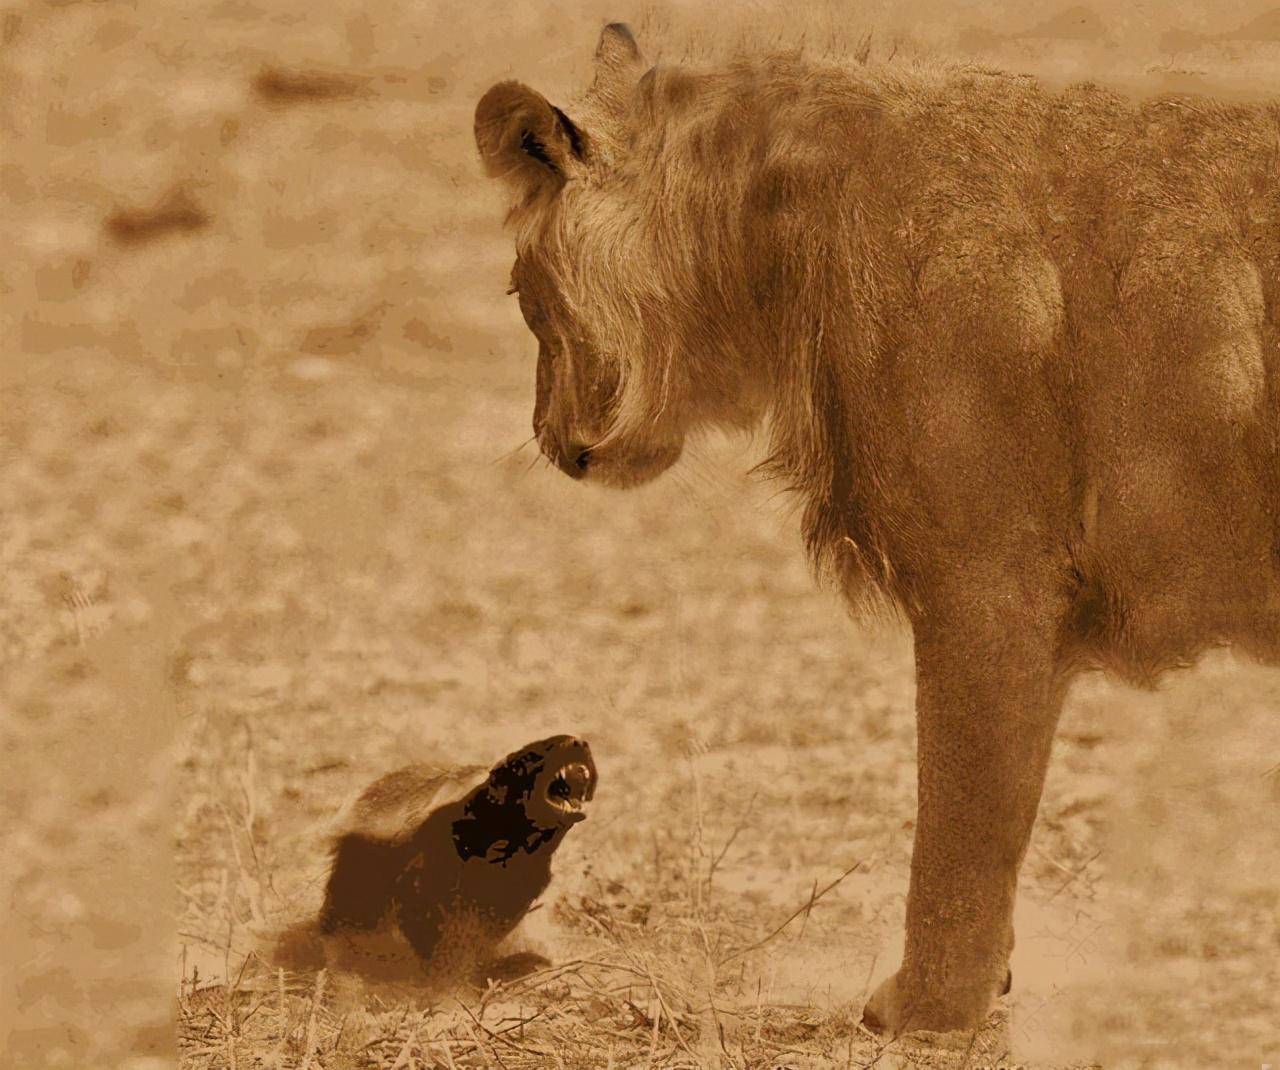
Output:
x=1182 y=483
x=1159 y=592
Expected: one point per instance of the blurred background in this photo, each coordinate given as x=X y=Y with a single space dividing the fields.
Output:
x=268 y=528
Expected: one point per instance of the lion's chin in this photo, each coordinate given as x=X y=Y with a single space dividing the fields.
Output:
x=622 y=471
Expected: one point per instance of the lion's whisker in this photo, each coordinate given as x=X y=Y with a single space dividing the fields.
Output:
x=513 y=452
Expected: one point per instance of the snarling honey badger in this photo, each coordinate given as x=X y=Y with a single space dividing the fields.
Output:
x=454 y=872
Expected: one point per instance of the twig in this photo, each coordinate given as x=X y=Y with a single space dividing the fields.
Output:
x=254 y=894
x=711 y=992
x=715 y=862
x=621 y=966
x=499 y=1036
x=337 y=1040
x=476 y=1041
x=535 y=977
x=653 y=1041
x=1075 y=875
x=696 y=851
x=662 y=1003
x=645 y=972
x=517 y=1023
x=403 y=1058
x=310 y=1048
x=283 y=1019
x=447 y=1048
x=812 y=893
x=804 y=908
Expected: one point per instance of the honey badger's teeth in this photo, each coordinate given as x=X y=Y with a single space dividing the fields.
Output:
x=568 y=787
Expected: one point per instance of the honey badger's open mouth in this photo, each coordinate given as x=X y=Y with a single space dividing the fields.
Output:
x=567 y=791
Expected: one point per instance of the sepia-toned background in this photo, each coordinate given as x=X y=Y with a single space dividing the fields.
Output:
x=268 y=528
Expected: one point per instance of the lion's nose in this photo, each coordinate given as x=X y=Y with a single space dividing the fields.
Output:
x=574 y=459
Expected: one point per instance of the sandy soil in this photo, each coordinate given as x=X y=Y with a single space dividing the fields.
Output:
x=268 y=529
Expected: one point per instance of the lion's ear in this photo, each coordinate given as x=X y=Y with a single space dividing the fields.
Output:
x=617 y=49
x=524 y=139
x=618 y=68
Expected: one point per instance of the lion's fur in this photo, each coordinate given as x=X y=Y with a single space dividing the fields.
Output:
x=801 y=243
x=1017 y=350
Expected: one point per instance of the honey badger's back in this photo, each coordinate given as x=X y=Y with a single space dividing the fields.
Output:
x=373 y=839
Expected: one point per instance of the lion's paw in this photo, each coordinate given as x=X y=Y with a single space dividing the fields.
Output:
x=894 y=1008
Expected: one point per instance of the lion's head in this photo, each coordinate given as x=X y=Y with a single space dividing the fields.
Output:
x=626 y=358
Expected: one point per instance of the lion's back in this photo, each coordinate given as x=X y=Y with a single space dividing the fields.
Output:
x=1077 y=282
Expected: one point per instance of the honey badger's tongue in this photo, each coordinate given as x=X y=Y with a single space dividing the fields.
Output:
x=568 y=789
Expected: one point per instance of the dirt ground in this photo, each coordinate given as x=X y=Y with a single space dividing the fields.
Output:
x=268 y=528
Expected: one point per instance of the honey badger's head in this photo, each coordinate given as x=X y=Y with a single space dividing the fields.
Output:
x=529 y=800
x=550 y=780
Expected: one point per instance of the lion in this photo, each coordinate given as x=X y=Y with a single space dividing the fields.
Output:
x=1016 y=350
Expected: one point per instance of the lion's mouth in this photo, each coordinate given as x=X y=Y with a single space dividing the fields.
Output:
x=623 y=470
x=567 y=792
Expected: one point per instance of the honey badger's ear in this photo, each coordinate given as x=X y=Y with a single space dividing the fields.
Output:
x=524 y=139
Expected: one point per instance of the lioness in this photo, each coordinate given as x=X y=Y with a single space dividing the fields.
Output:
x=1017 y=350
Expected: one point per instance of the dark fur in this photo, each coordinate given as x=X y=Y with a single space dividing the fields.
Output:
x=453 y=878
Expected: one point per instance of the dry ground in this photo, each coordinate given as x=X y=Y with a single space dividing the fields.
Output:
x=266 y=521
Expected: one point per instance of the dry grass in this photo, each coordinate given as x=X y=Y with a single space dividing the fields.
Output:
x=662 y=971
x=657 y=966
x=268 y=532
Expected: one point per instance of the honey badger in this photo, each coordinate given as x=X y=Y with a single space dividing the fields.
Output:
x=453 y=871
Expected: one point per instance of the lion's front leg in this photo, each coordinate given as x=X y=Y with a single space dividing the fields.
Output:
x=988 y=699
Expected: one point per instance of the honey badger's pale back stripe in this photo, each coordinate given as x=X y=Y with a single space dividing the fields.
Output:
x=392 y=807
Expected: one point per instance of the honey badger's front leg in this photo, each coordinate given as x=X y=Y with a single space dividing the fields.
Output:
x=988 y=698
x=421 y=896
